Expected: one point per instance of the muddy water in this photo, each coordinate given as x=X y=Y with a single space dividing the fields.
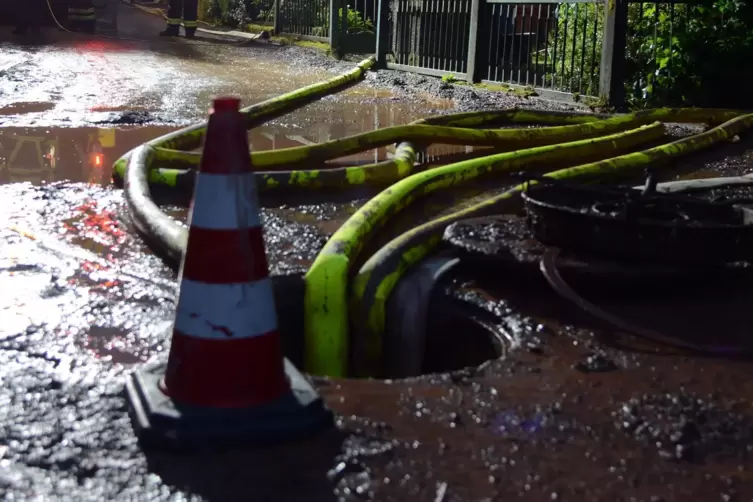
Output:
x=46 y=154
x=668 y=421
x=543 y=424
x=63 y=97
x=566 y=418
x=68 y=109
x=78 y=74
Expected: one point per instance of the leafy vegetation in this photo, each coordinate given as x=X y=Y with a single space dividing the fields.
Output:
x=573 y=54
x=676 y=54
x=236 y=13
x=356 y=23
x=686 y=54
x=691 y=54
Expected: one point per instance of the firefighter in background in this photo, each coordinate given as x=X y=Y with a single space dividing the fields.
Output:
x=185 y=10
x=81 y=15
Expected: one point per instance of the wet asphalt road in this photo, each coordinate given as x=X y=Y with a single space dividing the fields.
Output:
x=82 y=301
x=81 y=298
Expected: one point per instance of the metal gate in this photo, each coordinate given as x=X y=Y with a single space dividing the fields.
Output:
x=359 y=19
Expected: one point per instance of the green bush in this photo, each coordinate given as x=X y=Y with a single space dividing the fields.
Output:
x=355 y=22
x=238 y=13
x=676 y=55
x=314 y=13
x=235 y=13
x=692 y=55
x=574 y=67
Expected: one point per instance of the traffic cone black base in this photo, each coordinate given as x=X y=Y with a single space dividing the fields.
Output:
x=226 y=380
x=160 y=421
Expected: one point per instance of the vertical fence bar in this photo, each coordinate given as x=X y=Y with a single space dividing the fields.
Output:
x=471 y=72
x=537 y=47
x=547 y=31
x=445 y=41
x=277 y=27
x=335 y=30
x=574 y=47
x=292 y=18
x=553 y=79
x=305 y=11
x=593 y=80
x=434 y=27
x=581 y=87
x=494 y=42
x=382 y=32
x=528 y=10
x=454 y=35
x=343 y=27
x=611 y=76
x=415 y=34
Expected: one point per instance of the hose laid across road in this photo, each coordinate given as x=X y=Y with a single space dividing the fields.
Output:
x=378 y=276
x=190 y=138
x=166 y=235
x=443 y=129
x=341 y=309
x=327 y=279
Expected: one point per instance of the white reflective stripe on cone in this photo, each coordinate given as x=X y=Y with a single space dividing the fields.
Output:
x=225 y=202
x=225 y=311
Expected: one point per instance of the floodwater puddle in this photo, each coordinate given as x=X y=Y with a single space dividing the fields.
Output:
x=26 y=107
x=48 y=154
x=86 y=154
x=296 y=229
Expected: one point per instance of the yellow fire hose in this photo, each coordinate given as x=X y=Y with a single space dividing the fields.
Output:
x=328 y=324
x=190 y=138
x=378 y=276
x=327 y=320
x=272 y=177
x=591 y=147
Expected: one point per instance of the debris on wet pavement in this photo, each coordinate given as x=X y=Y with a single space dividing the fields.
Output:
x=82 y=300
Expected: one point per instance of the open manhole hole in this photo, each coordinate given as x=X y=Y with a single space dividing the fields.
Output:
x=449 y=335
x=460 y=335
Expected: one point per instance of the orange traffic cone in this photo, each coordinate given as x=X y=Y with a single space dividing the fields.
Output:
x=225 y=379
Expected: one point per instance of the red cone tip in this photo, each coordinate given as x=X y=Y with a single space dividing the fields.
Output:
x=226 y=104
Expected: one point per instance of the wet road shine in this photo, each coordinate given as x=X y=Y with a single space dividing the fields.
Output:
x=563 y=418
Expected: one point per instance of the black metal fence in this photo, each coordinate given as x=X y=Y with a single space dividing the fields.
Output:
x=579 y=48
x=549 y=47
x=574 y=49
x=362 y=15
x=355 y=22
x=306 y=19
x=429 y=36
x=546 y=46
x=653 y=46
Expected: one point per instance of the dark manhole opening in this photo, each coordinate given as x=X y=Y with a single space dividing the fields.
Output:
x=455 y=336
x=459 y=337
